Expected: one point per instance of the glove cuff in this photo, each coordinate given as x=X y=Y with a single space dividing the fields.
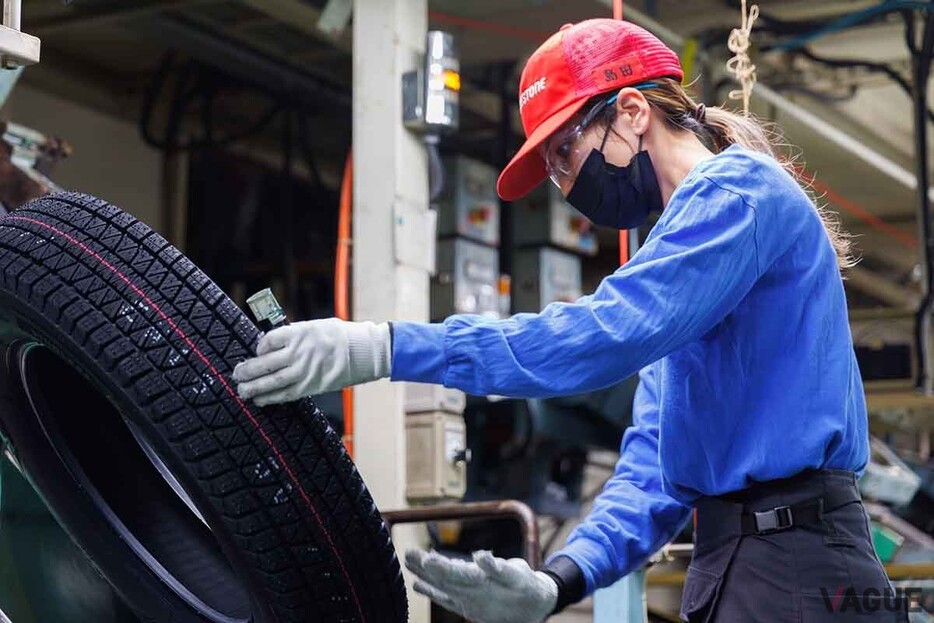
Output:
x=570 y=580
x=370 y=348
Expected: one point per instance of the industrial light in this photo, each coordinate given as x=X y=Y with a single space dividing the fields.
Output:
x=430 y=100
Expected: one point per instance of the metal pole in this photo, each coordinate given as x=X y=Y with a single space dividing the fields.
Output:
x=11 y=14
x=623 y=601
x=921 y=69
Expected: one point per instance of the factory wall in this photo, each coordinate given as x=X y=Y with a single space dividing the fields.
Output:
x=110 y=160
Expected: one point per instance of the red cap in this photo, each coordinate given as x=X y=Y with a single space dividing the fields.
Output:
x=577 y=62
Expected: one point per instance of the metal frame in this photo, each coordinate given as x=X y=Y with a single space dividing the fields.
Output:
x=16 y=47
x=477 y=510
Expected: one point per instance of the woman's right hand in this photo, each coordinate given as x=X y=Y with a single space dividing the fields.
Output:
x=313 y=357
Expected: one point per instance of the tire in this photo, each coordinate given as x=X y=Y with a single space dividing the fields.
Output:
x=194 y=505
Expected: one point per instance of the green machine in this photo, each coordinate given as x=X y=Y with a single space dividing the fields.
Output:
x=43 y=576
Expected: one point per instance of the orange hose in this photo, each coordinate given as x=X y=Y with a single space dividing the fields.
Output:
x=623 y=234
x=623 y=246
x=342 y=283
x=535 y=36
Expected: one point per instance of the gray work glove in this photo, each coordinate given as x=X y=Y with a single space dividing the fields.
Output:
x=487 y=590
x=313 y=357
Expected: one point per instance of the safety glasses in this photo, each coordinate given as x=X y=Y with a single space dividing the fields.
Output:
x=562 y=151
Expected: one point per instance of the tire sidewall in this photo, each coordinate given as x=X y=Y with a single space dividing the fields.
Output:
x=73 y=508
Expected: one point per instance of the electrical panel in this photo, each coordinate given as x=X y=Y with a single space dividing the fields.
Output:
x=436 y=456
x=545 y=218
x=885 y=351
x=468 y=205
x=467 y=280
x=423 y=397
x=544 y=275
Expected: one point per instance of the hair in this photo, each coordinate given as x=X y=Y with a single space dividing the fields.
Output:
x=719 y=128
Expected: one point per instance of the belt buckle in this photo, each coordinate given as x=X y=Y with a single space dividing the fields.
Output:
x=775 y=520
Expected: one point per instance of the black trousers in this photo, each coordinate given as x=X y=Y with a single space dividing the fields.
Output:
x=825 y=571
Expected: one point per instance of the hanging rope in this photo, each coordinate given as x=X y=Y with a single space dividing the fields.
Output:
x=741 y=65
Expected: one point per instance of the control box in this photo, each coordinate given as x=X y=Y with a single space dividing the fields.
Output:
x=467 y=279
x=468 y=205
x=885 y=351
x=545 y=218
x=436 y=456
x=431 y=93
x=424 y=397
x=544 y=275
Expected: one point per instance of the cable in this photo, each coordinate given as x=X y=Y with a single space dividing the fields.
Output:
x=776 y=25
x=435 y=169
x=847 y=62
x=868 y=65
x=191 y=79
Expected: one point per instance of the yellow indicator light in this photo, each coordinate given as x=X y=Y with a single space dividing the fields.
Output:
x=452 y=80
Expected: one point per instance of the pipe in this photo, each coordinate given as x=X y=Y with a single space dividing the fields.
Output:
x=536 y=36
x=12 y=10
x=341 y=284
x=921 y=70
x=851 y=19
x=661 y=31
x=477 y=510
x=624 y=254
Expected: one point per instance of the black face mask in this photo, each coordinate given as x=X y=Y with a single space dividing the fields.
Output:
x=618 y=197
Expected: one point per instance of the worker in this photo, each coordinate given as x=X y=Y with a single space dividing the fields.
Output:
x=750 y=408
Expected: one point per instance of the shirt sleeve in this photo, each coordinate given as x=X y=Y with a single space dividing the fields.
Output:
x=697 y=264
x=632 y=517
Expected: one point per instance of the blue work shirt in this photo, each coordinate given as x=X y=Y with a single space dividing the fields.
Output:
x=734 y=312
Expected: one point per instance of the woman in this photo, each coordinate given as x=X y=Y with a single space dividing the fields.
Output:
x=750 y=406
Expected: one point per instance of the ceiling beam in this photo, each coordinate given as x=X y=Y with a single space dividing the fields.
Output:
x=882 y=288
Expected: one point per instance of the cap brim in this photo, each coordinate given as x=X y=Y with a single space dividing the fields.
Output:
x=526 y=170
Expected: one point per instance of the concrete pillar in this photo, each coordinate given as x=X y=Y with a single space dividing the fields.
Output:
x=390 y=187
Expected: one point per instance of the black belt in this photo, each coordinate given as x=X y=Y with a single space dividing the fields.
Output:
x=803 y=513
